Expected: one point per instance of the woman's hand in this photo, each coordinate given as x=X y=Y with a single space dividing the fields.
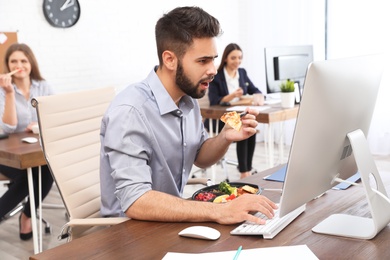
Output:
x=238 y=93
x=6 y=83
x=30 y=126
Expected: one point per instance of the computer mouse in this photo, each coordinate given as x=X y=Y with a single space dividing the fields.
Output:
x=30 y=140
x=201 y=232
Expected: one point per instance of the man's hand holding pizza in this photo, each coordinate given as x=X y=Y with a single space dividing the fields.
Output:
x=238 y=127
x=214 y=148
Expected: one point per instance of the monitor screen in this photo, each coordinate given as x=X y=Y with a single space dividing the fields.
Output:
x=289 y=62
x=338 y=98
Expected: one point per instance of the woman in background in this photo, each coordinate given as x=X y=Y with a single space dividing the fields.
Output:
x=18 y=115
x=229 y=85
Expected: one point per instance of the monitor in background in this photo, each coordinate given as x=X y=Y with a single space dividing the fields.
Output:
x=329 y=143
x=289 y=62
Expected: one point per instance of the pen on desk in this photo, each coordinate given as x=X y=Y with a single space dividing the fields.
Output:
x=237 y=253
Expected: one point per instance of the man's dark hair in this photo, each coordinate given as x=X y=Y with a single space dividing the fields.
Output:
x=176 y=30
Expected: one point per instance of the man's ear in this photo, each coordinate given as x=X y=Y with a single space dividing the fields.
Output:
x=169 y=59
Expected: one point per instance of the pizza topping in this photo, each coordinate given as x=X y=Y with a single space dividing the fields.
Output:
x=233 y=119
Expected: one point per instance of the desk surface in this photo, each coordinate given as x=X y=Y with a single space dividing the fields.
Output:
x=17 y=154
x=274 y=114
x=152 y=240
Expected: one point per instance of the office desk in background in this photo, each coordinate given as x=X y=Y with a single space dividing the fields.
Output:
x=17 y=154
x=275 y=114
x=152 y=240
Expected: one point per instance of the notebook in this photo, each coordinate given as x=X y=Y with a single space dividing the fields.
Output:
x=281 y=173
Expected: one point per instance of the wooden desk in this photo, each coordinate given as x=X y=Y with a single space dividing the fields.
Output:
x=275 y=114
x=17 y=154
x=152 y=240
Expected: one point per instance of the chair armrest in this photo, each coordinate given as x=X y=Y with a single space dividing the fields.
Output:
x=95 y=221
x=66 y=229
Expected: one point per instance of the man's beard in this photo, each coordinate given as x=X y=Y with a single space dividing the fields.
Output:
x=186 y=85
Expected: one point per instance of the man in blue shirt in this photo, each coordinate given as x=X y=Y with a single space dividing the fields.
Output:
x=152 y=133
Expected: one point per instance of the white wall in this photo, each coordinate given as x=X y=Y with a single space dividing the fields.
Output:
x=279 y=23
x=113 y=42
x=360 y=27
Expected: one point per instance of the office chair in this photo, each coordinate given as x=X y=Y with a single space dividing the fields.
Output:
x=69 y=126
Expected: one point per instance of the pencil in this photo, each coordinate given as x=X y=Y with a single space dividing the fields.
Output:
x=237 y=253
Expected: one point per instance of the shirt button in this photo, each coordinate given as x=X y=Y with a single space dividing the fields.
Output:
x=185 y=144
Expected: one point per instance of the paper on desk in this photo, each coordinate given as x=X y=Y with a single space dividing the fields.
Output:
x=242 y=108
x=272 y=101
x=283 y=252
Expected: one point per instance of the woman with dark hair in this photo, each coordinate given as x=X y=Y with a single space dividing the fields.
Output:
x=21 y=82
x=231 y=84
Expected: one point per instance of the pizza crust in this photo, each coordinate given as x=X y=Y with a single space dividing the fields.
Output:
x=233 y=119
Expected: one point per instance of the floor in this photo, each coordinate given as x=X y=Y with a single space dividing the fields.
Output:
x=12 y=248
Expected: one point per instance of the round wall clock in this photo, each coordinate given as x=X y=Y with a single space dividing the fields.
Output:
x=61 y=13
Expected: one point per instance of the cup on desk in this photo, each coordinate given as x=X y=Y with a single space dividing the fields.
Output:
x=35 y=129
x=258 y=99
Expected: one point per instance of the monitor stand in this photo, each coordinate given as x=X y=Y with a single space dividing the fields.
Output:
x=378 y=201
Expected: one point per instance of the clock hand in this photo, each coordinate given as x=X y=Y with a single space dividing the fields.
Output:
x=67 y=4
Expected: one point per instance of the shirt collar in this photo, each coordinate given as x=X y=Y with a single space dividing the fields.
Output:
x=227 y=76
x=34 y=84
x=164 y=100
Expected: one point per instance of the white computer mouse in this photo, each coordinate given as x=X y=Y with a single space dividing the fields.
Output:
x=201 y=232
x=30 y=140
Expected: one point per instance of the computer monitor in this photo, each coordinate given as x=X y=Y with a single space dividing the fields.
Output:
x=286 y=62
x=329 y=143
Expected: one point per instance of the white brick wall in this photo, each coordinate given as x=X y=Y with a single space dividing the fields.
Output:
x=113 y=42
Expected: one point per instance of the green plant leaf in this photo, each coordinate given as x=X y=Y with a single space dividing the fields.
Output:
x=287 y=86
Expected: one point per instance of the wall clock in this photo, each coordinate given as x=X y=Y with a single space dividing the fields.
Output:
x=61 y=13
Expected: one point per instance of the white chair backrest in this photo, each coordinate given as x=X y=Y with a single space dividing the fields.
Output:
x=69 y=125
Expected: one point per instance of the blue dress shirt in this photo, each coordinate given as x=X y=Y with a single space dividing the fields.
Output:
x=147 y=143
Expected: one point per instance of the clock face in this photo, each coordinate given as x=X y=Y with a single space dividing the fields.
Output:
x=61 y=13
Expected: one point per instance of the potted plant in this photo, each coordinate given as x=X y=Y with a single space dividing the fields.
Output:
x=287 y=94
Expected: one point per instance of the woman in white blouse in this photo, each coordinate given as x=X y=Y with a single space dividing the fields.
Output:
x=229 y=85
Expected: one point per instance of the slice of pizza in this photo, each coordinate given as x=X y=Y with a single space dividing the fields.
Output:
x=233 y=119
